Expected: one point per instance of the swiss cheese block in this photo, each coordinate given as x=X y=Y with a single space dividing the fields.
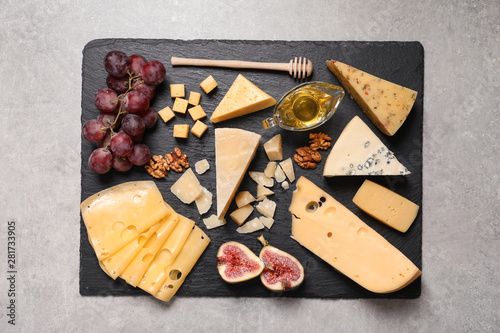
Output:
x=234 y=150
x=178 y=270
x=386 y=206
x=242 y=98
x=386 y=104
x=358 y=151
x=117 y=215
x=332 y=232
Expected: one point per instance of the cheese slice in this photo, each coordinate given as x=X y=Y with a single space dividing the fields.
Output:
x=386 y=206
x=234 y=150
x=358 y=151
x=332 y=232
x=386 y=104
x=117 y=215
x=242 y=98
x=177 y=272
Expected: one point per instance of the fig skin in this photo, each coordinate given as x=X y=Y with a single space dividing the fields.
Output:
x=272 y=271
x=237 y=263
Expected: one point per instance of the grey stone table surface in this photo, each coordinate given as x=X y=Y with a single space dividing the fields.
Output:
x=41 y=45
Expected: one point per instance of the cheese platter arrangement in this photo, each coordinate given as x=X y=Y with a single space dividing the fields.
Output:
x=221 y=168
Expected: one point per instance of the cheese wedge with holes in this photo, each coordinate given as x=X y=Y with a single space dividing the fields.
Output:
x=332 y=232
x=386 y=104
x=117 y=215
x=359 y=152
x=234 y=150
x=242 y=98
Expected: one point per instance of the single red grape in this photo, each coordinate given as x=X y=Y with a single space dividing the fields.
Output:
x=118 y=84
x=121 y=144
x=150 y=117
x=116 y=63
x=93 y=130
x=100 y=161
x=136 y=63
x=140 y=155
x=121 y=164
x=136 y=102
x=153 y=72
x=133 y=125
x=146 y=89
x=106 y=100
x=108 y=118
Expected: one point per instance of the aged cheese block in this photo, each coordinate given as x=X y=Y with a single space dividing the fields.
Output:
x=243 y=97
x=332 y=232
x=234 y=150
x=358 y=151
x=386 y=104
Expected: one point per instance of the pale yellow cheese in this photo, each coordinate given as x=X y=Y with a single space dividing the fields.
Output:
x=180 y=105
x=386 y=104
x=197 y=112
x=359 y=152
x=201 y=166
x=386 y=206
x=243 y=198
x=199 y=129
x=115 y=216
x=166 y=114
x=243 y=97
x=204 y=201
x=194 y=98
x=287 y=166
x=181 y=131
x=208 y=84
x=234 y=150
x=261 y=179
x=177 y=90
x=270 y=169
x=263 y=191
x=251 y=226
x=241 y=214
x=177 y=272
x=332 y=232
x=213 y=221
x=187 y=188
x=266 y=207
x=273 y=148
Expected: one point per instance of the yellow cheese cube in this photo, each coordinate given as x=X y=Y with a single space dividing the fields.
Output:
x=208 y=84
x=197 y=112
x=180 y=105
x=177 y=90
x=166 y=114
x=199 y=128
x=181 y=131
x=194 y=98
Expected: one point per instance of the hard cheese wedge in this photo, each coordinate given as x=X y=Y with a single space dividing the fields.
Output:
x=332 y=232
x=234 y=150
x=242 y=98
x=386 y=104
x=358 y=151
x=117 y=215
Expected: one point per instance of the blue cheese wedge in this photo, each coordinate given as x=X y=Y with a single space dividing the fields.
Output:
x=359 y=152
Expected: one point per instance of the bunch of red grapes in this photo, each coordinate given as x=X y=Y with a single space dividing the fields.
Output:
x=125 y=113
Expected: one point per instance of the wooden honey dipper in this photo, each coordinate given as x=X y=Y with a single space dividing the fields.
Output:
x=298 y=68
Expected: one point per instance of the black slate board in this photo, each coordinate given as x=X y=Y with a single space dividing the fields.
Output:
x=399 y=62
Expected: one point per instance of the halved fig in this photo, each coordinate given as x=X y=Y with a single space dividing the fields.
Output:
x=282 y=271
x=237 y=263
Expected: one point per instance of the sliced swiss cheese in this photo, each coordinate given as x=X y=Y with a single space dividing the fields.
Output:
x=234 y=150
x=358 y=151
x=332 y=232
x=386 y=104
x=117 y=215
x=242 y=98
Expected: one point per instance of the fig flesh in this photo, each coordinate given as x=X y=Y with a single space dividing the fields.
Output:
x=237 y=263
x=282 y=271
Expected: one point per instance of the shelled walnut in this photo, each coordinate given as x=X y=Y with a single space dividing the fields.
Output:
x=319 y=141
x=157 y=166
x=306 y=157
x=177 y=160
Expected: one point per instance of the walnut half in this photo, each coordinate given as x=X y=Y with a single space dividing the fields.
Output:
x=157 y=166
x=177 y=160
x=306 y=157
x=319 y=141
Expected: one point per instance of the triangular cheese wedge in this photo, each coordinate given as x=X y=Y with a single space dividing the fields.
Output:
x=359 y=152
x=386 y=104
x=234 y=150
x=242 y=98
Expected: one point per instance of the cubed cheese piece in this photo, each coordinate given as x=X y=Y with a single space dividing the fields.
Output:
x=213 y=221
x=266 y=221
x=194 y=98
x=285 y=185
x=263 y=191
x=180 y=105
x=204 y=201
x=208 y=84
x=244 y=198
x=181 y=131
x=166 y=114
x=241 y=214
x=251 y=226
x=339 y=237
x=386 y=206
x=274 y=149
x=287 y=166
x=279 y=175
x=199 y=129
x=201 y=166
x=359 y=152
x=242 y=98
x=260 y=178
x=197 y=112
x=187 y=188
x=177 y=90
x=266 y=207
x=386 y=104
x=270 y=169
